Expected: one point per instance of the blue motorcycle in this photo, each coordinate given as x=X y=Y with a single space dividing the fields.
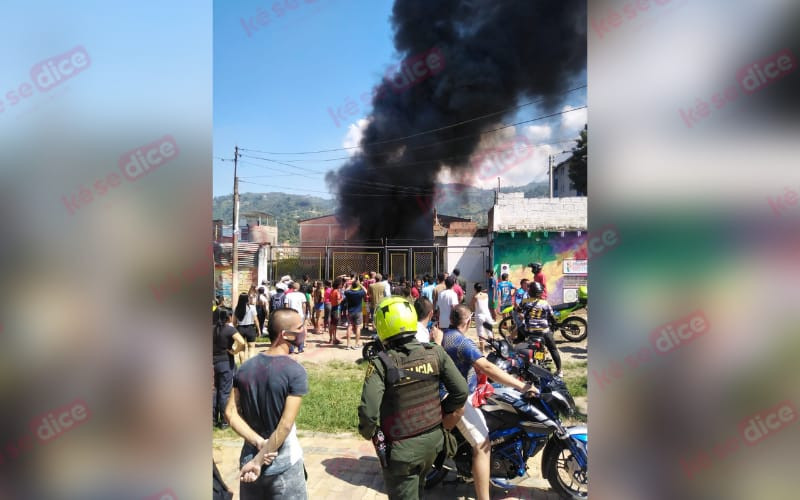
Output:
x=519 y=428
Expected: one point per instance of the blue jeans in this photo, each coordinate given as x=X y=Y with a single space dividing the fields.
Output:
x=302 y=339
x=288 y=485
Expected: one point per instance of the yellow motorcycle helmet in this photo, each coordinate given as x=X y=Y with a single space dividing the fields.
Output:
x=395 y=316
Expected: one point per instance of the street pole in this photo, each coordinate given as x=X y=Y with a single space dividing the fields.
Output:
x=235 y=263
x=550 y=170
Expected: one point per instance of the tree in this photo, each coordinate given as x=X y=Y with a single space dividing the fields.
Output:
x=577 y=163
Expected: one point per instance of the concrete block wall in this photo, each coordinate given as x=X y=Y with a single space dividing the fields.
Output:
x=514 y=212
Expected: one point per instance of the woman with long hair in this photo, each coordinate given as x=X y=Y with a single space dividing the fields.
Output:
x=227 y=342
x=247 y=324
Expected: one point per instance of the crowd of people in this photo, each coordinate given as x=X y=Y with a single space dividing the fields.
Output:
x=261 y=397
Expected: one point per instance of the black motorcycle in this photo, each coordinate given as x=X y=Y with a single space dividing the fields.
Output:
x=519 y=428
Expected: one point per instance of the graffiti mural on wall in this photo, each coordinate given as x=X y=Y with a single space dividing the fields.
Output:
x=551 y=249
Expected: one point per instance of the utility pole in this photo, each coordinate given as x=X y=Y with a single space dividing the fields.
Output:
x=550 y=170
x=235 y=263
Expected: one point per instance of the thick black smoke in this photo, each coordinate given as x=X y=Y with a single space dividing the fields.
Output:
x=496 y=53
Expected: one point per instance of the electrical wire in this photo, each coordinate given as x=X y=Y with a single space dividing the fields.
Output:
x=495 y=113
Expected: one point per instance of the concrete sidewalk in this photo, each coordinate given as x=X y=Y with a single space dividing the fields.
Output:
x=344 y=466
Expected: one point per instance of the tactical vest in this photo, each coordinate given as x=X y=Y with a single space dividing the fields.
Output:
x=411 y=402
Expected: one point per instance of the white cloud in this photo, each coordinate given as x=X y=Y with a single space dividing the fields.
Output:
x=538 y=133
x=573 y=121
x=353 y=137
x=514 y=157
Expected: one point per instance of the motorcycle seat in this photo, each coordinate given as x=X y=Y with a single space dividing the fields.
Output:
x=566 y=305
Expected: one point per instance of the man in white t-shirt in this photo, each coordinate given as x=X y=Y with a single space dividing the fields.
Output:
x=446 y=301
x=297 y=300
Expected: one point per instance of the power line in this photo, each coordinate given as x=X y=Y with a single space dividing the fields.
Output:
x=495 y=113
x=444 y=140
x=438 y=160
x=377 y=185
x=360 y=195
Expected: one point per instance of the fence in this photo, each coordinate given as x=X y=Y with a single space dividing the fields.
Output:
x=400 y=262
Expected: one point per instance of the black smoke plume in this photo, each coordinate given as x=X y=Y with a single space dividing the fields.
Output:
x=496 y=54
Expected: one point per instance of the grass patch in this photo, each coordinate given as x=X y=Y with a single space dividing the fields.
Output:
x=334 y=393
x=331 y=405
x=228 y=433
x=575 y=375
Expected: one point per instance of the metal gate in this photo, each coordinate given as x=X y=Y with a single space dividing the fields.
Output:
x=310 y=264
x=397 y=264
x=400 y=262
x=423 y=263
x=359 y=262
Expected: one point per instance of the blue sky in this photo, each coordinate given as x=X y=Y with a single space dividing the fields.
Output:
x=124 y=82
x=276 y=86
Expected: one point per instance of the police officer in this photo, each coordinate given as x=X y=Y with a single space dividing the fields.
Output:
x=400 y=399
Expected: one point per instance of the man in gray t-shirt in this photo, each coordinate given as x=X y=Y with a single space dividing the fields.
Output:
x=268 y=388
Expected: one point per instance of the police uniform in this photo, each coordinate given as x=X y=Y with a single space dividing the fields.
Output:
x=406 y=405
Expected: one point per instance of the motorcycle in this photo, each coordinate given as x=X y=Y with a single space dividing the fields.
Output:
x=572 y=328
x=519 y=428
x=531 y=350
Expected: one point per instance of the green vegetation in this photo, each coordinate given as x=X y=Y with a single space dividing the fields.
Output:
x=575 y=375
x=471 y=202
x=287 y=209
x=335 y=393
x=331 y=404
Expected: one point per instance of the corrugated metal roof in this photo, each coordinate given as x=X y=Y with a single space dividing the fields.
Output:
x=248 y=254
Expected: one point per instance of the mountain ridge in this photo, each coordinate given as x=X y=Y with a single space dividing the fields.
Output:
x=454 y=199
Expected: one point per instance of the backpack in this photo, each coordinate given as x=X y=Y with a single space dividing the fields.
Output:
x=277 y=301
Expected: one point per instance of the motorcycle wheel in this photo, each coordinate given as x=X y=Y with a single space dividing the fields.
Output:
x=574 y=329
x=557 y=472
x=507 y=327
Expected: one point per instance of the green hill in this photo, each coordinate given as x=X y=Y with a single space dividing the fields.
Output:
x=289 y=208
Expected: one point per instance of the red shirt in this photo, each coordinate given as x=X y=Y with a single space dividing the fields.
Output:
x=414 y=292
x=459 y=291
x=539 y=278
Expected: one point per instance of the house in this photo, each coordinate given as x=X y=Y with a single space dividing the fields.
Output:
x=329 y=248
x=551 y=231
x=562 y=185
x=259 y=231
